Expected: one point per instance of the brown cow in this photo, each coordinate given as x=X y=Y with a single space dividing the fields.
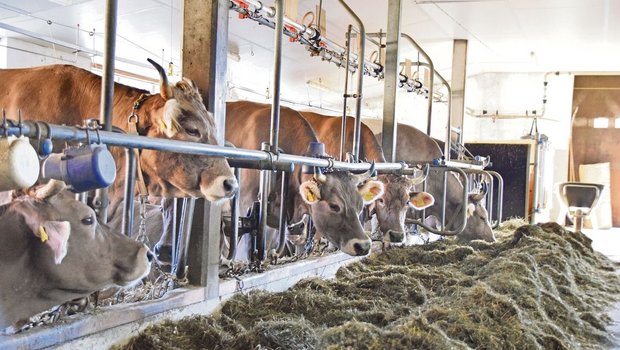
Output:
x=65 y=94
x=414 y=146
x=391 y=209
x=52 y=250
x=334 y=201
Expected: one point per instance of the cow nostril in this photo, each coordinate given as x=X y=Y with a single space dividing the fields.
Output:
x=149 y=256
x=361 y=248
x=230 y=185
x=396 y=237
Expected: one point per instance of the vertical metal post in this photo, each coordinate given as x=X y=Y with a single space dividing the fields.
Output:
x=391 y=79
x=234 y=220
x=361 y=52
x=282 y=222
x=204 y=54
x=459 y=75
x=277 y=73
x=130 y=184
x=107 y=93
x=343 y=126
x=535 y=178
x=448 y=143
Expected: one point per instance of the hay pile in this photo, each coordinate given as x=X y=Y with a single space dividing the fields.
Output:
x=539 y=287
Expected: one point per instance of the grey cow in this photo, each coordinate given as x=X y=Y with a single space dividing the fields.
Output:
x=52 y=250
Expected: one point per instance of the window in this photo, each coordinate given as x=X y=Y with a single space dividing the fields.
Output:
x=601 y=122
x=617 y=123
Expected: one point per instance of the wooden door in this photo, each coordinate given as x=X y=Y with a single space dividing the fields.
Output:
x=598 y=97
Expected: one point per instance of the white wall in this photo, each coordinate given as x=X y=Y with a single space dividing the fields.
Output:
x=16 y=53
x=514 y=93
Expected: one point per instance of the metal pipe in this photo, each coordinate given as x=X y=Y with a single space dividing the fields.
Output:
x=277 y=73
x=107 y=94
x=283 y=218
x=429 y=110
x=500 y=196
x=261 y=237
x=447 y=144
x=69 y=133
x=537 y=155
x=343 y=126
x=107 y=81
x=234 y=220
x=391 y=80
x=187 y=218
x=304 y=32
x=130 y=182
x=360 y=81
x=463 y=213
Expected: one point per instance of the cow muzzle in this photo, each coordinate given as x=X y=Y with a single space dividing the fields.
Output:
x=223 y=187
x=357 y=247
x=134 y=272
x=395 y=236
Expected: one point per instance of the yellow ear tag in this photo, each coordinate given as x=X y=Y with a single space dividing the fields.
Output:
x=368 y=196
x=43 y=234
x=310 y=196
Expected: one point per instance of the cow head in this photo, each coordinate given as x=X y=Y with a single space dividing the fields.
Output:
x=477 y=226
x=63 y=252
x=179 y=113
x=336 y=200
x=399 y=196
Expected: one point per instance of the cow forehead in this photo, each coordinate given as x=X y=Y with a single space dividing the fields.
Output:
x=342 y=185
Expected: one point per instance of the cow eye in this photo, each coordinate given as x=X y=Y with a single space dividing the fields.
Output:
x=334 y=207
x=89 y=220
x=379 y=200
x=192 y=132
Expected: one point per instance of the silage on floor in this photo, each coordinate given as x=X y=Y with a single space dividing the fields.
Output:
x=538 y=287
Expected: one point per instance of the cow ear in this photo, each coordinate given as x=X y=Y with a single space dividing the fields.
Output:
x=55 y=234
x=310 y=192
x=421 y=200
x=471 y=208
x=189 y=87
x=52 y=188
x=168 y=124
x=371 y=191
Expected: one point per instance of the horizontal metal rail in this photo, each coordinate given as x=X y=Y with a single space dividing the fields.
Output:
x=263 y=160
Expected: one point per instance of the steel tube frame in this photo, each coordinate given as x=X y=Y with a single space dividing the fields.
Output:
x=107 y=95
x=391 y=80
x=130 y=188
x=309 y=32
x=360 y=81
x=283 y=219
x=500 y=193
x=234 y=220
x=68 y=133
x=448 y=142
x=463 y=213
x=431 y=67
x=343 y=125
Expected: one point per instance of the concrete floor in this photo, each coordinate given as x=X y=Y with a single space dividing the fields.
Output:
x=607 y=242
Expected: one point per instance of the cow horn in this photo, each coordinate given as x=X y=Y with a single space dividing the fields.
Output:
x=483 y=192
x=367 y=174
x=52 y=188
x=318 y=174
x=164 y=87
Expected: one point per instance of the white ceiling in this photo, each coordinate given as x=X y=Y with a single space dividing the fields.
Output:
x=503 y=35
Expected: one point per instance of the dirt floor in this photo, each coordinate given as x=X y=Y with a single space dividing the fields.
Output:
x=538 y=287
